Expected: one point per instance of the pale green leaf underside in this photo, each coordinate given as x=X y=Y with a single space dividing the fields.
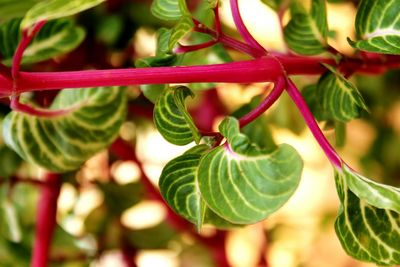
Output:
x=56 y=38
x=339 y=97
x=65 y=142
x=246 y=187
x=306 y=32
x=378 y=26
x=171 y=118
x=169 y=9
x=54 y=9
x=366 y=231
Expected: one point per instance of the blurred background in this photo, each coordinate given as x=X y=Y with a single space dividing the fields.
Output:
x=109 y=209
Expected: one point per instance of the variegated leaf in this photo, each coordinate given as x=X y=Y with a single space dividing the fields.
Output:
x=179 y=187
x=55 y=9
x=378 y=26
x=183 y=27
x=368 y=225
x=65 y=142
x=338 y=97
x=244 y=184
x=56 y=38
x=172 y=119
x=169 y=9
x=306 y=32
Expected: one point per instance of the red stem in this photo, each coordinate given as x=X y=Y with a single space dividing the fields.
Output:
x=266 y=104
x=27 y=36
x=312 y=124
x=247 y=37
x=265 y=69
x=181 y=49
x=46 y=220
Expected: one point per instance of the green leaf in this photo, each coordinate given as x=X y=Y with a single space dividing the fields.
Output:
x=169 y=9
x=10 y=162
x=56 y=38
x=157 y=61
x=179 y=187
x=183 y=27
x=339 y=97
x=119 y=198
x=274 y=4
x=244 y=184
x=9 y=221
x=55 y=9
x=378 y=27
x=172 y=119
x=65 y=142
x=368 y=225
x=11 y=9
x=306 y=33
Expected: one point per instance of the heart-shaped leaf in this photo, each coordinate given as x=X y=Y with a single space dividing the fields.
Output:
x=306 y=32
x=179 y=187
x=378 y=26
x=65 y=142
x=244 y=184
x=368 y=225
x=56 y=38
x=338 y=97
x=172 y=119
x=55 y=9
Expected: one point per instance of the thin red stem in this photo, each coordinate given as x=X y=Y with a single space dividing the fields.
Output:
x=39 y=112
x=228 y=41
x=312 y=124
x=217 y=19
x=190 y=48
x=46 y=220
x=242 y=29
x=27 y=36
x=266 y=104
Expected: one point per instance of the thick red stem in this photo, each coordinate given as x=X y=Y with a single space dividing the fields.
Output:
x=265 y=69
x=46 y=220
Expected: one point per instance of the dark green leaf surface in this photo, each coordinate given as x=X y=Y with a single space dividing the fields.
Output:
x=55 y=9
x=178 y=186
x=56 y=38
x=378 y=26
x=244 y=184
x=65 y=142
x=172 y=119
x=368 y=225
x=339 y=97
x=169 y=9
x=306 y=33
